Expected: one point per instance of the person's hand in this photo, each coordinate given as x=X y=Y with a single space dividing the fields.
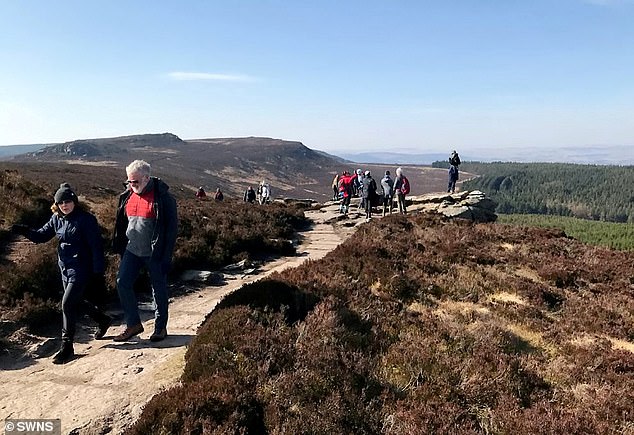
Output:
x=20 y=229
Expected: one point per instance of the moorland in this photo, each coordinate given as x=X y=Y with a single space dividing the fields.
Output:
x=415 y=324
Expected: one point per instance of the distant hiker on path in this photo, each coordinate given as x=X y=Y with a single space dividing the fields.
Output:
x=144 y=235
x=369 y=194
x=80 y=259
x=200 y=193
x=218 y=196
x=401 y=188
x=335 y=188
x=264 y=192
x=453 y=177
x=249 y=195
x=454 y=159
x=388 y=185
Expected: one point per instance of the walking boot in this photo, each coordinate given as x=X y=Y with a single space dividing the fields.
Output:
x=65 y=354
x=103 y=325
x=129 y=332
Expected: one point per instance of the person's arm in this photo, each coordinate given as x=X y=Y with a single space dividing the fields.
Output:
x=92 y=235
x=170 y=220
x=43 y=235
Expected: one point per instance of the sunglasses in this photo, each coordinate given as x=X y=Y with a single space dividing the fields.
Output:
x=66 y=201
x=133 y=182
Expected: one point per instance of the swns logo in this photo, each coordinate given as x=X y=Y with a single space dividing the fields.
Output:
x=32 y=426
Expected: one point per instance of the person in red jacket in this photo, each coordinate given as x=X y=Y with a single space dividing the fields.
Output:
x=346 y=182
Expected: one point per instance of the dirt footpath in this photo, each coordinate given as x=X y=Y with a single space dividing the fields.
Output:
x=105 y=388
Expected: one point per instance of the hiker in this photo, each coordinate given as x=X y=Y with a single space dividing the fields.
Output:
x=453 y=177
x=387 y=184
x=80 y=259
x=345 y=190
x=335 y=188
x=218 y=196
x=369 y=194
x=359 y=186
x=249 y=195
x=144 y=235
x=356 y=185
x=200 y=193
x=265 y=193
x=401 y=188
x=454 y=159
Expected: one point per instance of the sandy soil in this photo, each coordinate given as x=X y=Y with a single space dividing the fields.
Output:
x=104 y=389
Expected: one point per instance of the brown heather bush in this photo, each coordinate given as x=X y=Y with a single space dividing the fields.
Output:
x=402 y=330
x=212 y=235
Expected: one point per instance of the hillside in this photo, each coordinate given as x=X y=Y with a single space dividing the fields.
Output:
x=233 y=164
x=419 y=325
x=585 y=191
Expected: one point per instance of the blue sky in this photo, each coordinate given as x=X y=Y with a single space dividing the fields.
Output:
x=339 y=75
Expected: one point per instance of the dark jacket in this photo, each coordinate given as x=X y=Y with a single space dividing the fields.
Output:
x=165 y=230
x=80 y=249
x=369 y=187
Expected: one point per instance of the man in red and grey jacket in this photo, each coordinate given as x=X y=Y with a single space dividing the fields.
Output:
x=144 y=235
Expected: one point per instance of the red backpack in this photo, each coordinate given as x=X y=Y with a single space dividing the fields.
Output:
x=405 y=186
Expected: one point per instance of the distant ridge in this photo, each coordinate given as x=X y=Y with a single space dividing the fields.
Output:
x=232 y=164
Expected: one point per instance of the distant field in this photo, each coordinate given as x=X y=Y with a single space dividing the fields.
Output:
x=614 y=235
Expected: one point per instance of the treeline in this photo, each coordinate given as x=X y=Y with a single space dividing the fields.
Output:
x=611 y=234
x=585 y=191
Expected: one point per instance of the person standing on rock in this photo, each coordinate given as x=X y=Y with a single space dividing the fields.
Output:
x=145 y=234
x=388 y=185
x=401 y=188
x=80 y=259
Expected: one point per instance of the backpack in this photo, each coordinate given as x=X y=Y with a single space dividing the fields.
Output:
x=405 y=186
x=454 y=159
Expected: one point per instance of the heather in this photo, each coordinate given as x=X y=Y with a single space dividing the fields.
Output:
x=419 y=325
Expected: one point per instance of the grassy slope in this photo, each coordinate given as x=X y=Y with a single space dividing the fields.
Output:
x=419 y=326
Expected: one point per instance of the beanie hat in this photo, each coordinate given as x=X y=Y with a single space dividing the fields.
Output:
x=65 y=193
x=387 y=172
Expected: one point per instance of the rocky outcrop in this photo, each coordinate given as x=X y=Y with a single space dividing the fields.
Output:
x=474 y=205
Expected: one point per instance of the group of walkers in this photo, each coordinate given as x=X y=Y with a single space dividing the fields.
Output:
x=262 y=196
x=201 y=194
x=144 y=237
x=361 y=184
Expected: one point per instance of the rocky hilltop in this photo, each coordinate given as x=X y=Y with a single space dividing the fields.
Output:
x=232 y=164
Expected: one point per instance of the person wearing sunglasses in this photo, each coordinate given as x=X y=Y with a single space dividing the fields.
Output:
x=145 y=234
x=80 y=259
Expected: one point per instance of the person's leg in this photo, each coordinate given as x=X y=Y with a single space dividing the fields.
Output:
x=73 y=292
x=368 y=208
x=128 y=272
x=158 y=277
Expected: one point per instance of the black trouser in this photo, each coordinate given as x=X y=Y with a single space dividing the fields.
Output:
x=368 y=207
x=73 y=302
